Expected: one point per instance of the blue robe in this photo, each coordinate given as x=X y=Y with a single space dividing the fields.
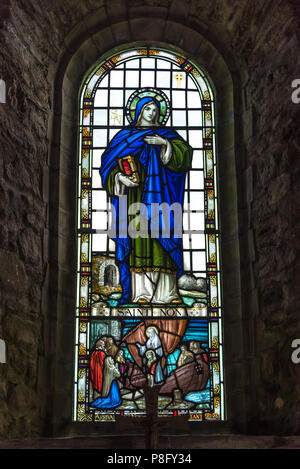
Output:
x=111 y=401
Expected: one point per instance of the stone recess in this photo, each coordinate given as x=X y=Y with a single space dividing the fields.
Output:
x=259 y=41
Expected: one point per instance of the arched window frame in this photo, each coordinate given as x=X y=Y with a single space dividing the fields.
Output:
x=84 y=47
x=210 y=190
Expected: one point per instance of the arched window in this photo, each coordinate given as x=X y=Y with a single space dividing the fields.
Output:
x=149 y=303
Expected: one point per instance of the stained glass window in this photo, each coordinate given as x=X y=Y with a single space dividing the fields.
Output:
x=149 y=302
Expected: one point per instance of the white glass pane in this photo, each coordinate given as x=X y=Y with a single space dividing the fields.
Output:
x=193 y=99
x=186 y=241
x=96 y=179
x=100 y=138
x=104 y=82
x=214 y=329
x=163 y=64
x=196 y=200
x=195 y=138
x=101 y=98
x=135 y=63
x=185 y=221
x=176 y=67
x=111 y=245
x=197 y=222
x=148 y=63
x=186 y=261
x=100 y=117
x=198 y=241
x=162 y=79
x=179 y=118
x=194 y=118
x=185 y=200
x=147 y=78
x=116 y=78
x=99 y=221
x=99 y=200
x=99 y=242
x=113 y=132
x=182 y=133
x=196 y=180
x=190 y=84
x=132 y=79
x=178 y=99
x=198 y=261
x=97 y=158
x=199 y=274
x=128 y=93
x=197 y=161
x=116 y=98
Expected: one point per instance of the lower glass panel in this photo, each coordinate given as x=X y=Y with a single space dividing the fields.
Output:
x=178 y=357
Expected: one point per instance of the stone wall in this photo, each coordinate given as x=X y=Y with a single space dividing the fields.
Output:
x=259 y=40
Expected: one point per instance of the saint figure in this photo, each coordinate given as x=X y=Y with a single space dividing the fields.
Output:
x=153 y=343
x=185 y=356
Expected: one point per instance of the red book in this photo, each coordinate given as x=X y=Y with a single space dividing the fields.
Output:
x=128 y=167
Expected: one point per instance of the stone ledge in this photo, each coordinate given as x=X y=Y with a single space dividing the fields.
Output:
x=166 y=442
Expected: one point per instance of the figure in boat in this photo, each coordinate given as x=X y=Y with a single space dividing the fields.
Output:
x=149 y=344
x=154 y=345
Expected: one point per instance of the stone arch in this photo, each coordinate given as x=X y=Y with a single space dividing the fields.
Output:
x=87 y=44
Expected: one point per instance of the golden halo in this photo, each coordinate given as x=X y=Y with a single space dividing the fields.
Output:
x=151 y=327
x=159 y=95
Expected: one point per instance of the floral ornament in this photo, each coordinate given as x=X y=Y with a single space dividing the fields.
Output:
x=215 y=342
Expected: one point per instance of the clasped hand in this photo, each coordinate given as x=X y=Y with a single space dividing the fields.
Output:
x=155 y=140
x=127 y=181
